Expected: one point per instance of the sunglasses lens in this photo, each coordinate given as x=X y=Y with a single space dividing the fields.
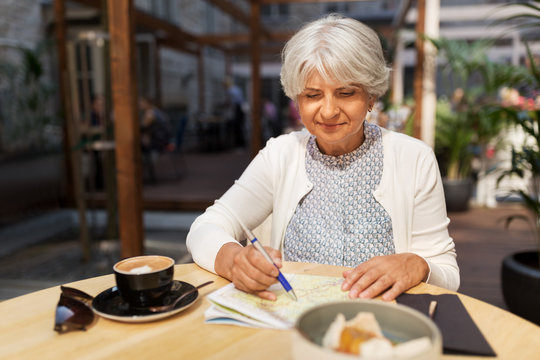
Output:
x=72 y=315
x=75 y=293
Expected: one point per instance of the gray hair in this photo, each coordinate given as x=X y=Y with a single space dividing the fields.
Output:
x=337 y=48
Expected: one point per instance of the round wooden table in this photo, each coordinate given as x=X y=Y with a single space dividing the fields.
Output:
x=27 y=327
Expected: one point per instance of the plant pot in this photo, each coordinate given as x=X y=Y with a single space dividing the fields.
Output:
x=520 y=277
x=457 y=194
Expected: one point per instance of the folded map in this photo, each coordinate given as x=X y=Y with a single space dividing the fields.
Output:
x=232 y=306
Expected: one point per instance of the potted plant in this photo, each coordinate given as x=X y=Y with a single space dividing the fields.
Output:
x=520 y=272
x=453 y=139
x=467 y=124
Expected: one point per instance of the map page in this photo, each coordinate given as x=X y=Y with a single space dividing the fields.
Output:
x=233 y=306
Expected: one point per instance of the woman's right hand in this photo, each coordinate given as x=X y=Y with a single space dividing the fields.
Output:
x=247 y=268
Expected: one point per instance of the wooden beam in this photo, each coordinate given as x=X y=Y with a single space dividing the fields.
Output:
x=419 y=69
x=200 y=81
x=217 y=39
x=237 y=13
x=60 y=33
x=266 y=2
x=401 y=14
x=126 y=126
x=241 y=38
x=73 y=157
x=256 y=133
x=95 y=4
x=263 y=49
x=177 y=45
x=282 y=35
x=162 y=28
x=231 y=9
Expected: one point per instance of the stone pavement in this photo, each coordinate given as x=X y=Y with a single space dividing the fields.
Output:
x=482 y=241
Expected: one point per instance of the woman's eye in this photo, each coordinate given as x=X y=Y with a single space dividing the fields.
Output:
x=347 y=93
x=311 y=96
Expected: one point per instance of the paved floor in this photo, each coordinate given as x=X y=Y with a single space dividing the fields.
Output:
x=482 y=241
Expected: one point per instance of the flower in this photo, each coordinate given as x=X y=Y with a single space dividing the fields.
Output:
x=512 y=98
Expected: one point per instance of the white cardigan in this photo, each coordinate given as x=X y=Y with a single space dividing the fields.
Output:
x=275 y=181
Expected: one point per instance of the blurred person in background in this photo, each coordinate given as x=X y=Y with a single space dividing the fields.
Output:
x=235 y=100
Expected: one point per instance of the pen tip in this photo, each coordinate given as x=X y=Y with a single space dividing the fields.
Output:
x=293 y=295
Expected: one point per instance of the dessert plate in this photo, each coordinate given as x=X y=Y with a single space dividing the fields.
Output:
x=109 y=304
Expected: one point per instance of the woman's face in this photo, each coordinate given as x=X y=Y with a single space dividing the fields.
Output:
x=334 y=113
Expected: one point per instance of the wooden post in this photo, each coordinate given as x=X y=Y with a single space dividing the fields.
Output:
x=429 y=86
x=427 y=24
x=60 y=30
x=200 y=80
x=397 y=73
x=73 y=157
x=157 y=74
x=419 y=69
x=126 y=126
x=255 y=40
x=228 y=64
x=109 y=173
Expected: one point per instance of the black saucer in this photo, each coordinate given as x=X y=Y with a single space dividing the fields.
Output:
x=110 y=304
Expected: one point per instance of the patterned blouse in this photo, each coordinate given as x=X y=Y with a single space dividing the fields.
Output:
x=339 y=222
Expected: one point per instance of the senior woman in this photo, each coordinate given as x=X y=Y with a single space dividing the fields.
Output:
x=342 y=191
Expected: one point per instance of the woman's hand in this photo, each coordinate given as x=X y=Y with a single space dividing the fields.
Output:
x=388 y=275
x=248 y=270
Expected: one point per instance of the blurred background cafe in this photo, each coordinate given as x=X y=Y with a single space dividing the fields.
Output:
x=121 y=121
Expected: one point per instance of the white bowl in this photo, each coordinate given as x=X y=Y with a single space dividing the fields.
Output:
x=399 y=323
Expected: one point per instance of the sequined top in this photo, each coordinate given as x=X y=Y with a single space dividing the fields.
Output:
x=339 y=222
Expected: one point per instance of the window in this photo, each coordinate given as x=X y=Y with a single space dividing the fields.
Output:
x=275 y=11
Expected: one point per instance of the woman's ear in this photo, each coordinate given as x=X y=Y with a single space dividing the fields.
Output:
x=371 y=102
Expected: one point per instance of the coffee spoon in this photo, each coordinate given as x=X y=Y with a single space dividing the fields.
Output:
x=173 y=304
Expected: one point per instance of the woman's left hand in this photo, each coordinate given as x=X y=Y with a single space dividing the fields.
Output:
x=388 y=275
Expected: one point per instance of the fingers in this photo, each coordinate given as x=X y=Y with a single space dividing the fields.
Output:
x=352 y=276
x=387 y=275
x=393 y=292
x=251 y=261
x=367 y=281
x=275 y=255
x=267 y=295
x=252 y=273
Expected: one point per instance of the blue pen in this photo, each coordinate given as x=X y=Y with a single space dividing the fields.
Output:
x=288 y=289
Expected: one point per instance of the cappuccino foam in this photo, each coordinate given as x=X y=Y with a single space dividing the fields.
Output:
x=141 y=270
x=143 y=264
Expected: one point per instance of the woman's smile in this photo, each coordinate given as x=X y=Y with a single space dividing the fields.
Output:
x=331 y=126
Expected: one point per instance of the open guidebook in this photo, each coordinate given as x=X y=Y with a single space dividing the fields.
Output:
x=232 y=306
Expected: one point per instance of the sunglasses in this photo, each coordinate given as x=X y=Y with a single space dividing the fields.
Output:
x=74 y=311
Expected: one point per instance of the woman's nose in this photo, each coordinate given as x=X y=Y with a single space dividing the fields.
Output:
x=329 y=108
